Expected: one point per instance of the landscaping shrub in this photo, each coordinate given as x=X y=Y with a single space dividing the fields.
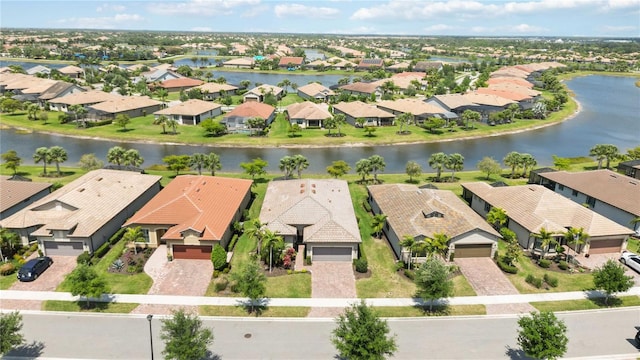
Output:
x=102 y=250
x=366 y=206
x=218 y=257
x=551 y=280
x=504 y=266
x=307 y=261
x=117 y=236
x=7 y=269
x=563 y=265
x=232 y=243
x=361 y=265
x=535 y=281
x=544 y=263
x=90 y=124
x=410 y=274
x=400 y=265
x=84 y=258
x=220 y=284
x=363 y=255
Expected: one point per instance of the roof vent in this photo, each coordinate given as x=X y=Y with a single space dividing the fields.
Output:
x=81 y=190
x=99 y=179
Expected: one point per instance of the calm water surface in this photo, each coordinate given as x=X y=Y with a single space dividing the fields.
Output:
x=610 y=114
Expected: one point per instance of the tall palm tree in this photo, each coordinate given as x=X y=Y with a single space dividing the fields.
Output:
x=437 y=162
x=42 y=154
x=162 y=94
x=497 y=217
x=58 y=155
x=527 y=161
x=408 y=242
x=161 y=120
x=116 y=155
x=198 y=161
x=513 y=160
x=403 y=120
x=377 y=223
x=285 y=83
x=270 y=240
x=132 y=158
x=546 y=240
x=363 y=167
x=301 y=163
x=455 y=162
x=213 y=163
x=577 y=237
x=287 y=165
x=376 y=162
x=438 y=244
x=173 y=123
x=133 y=235
x=339 y=120
x=256 y=230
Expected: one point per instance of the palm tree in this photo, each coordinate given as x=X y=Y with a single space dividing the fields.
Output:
x=133 y=235
x=161 y=120
x=162 y=94
x=497 y=217
x=455 y=162
x=408 y=242
x=58 y=155
x=403 y=120
x=256 y=230
x=42 y=154
x=287 y=165
x=376 y=163
x=438 y=244
x=527 y=161
x=132 y=158
x=546 y=239
x=513 y=160
x=269 y=241
x=437 y=162
x=32 y=111
x=198 y=161
x=635 y=222
x=213 y=163
x=339 y=120
x=300 y=163
x=576 y=237
x=116 y=155
x=173 y=123
x=377 y=223
x=285 y=83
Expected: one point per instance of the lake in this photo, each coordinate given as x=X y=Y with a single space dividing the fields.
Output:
x=610 y=108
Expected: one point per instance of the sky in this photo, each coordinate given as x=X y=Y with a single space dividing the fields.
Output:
x=554 y=18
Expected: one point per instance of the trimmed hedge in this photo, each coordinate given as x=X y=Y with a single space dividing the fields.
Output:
x=83 y=258
x=563 y=265
x=218 y=257
x=117 y=236
x=510 y=269
x=545 y=263
x=232 y=243
x=102 y=250
x=551 y=280
x=7 y=269
x=361 y=265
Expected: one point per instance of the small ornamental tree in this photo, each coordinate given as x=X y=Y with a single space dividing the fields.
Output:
x=218 y=257
x=86 y=282
x=11 y=160
x=611 y=279
x=184 y=337
x=252 y=284
x=10 y=327
x=338 y=168
x=542 y=335
x=362 y=335
x=432 y=281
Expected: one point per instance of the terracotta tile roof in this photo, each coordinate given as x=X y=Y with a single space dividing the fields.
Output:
x=252 y=109
x=410 y=105
x=485 y=99
x=213 y=88
x=205 y=204
x=87 y=97
x=14 y=192
x=314 y=89
x=308 y=110
x=85 y=205
x=407 y=207
x=294 y=60
x=324 y=207
x=180 y=83
x=190 y=107
x=125 y=103
x=357 y=109
x=535 y=207
x=362 y=87
x=605 y=185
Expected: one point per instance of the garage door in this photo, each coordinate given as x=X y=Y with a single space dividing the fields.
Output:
x=605 y=246
x=201 y=252
x=331 y=253
x=63 y=248
x=472 y=250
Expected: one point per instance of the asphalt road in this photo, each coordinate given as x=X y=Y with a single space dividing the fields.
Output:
x=595 y=334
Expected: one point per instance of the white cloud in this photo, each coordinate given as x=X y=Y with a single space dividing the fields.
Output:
x=254 y=11
x=509 y=29
x=199 y=7
x=623 y=4
x=104 y=22
x=283 y=10
x=202 y=29
x=622 y=28
x=111 y=7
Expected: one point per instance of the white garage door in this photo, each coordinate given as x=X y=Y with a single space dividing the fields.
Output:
x=331 y=253
x=73 y=248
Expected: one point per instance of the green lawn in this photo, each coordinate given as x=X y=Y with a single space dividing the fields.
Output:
x=271 y=311
x=289 y=286
x=566 y=281
x=413 y=311
x=461 y=286
x=7 y=281
x=586 y=304
x=72 y=306
x=633 y=245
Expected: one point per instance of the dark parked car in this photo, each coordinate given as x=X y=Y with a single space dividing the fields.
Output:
x=33 y=268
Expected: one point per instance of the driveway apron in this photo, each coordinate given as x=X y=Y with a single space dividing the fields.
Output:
x=331 y=280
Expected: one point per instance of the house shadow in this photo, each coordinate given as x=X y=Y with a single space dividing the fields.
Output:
x=516 y=354
x=28 y=351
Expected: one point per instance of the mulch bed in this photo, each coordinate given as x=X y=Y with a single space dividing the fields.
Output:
x=359 y=275
x=132 y=261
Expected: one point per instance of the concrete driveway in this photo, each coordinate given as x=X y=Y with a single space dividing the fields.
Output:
x=331 y=280
x=177 y=277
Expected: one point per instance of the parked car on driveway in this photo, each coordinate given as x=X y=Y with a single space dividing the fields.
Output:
x=631 y=260
x=34 y=268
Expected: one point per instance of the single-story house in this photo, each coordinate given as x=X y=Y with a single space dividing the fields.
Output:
x=347 y=52
x=307 y=114
x=332 y=63
x=242 y=63
x=192 y=214
x=291 y=62
x=455 y=103
x=59 y=89
x=509 y=80
x=422 y=213
x=315 y=91
x=315 y=214
x=366 y=64
x=612 y=195
x=158 y=75
x=426 y=66
x=71 y=71
x=132 y=106
x=258 y=93
x=15 y=195
x=524 y=100
x=31 y=93
x=38 y=69
x=212 y=91
x=418 y=108
x=191 y=112
x=370 y=113
x=530 y=208
x=363 y=89
x=235 y=120
x=180 y=84
x=630 y=168
x=83 y=214
x=84 y=98
x=487 y=104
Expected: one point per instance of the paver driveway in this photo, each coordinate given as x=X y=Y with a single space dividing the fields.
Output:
x=331 y=280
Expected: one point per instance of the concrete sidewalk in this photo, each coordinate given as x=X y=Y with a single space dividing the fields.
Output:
x=307 y=302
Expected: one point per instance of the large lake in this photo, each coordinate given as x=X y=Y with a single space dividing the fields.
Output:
x=610 y=114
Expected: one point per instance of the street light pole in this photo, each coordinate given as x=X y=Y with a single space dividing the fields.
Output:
x=150 y=317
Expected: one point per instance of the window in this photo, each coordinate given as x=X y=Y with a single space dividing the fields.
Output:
x=574 y=192
x=145 y=235
x=487 y=207
x=591 y=202
x=561 y=187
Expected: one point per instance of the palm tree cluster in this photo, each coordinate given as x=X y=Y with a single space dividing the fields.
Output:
x=120 y=156
x=289 y=164
x=373 y=164
x=211 y=162
x=437 y=244
x=440 y=161
x=54 y=154
x=516 y=160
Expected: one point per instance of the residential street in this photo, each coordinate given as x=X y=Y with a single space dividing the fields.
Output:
x=595 y=334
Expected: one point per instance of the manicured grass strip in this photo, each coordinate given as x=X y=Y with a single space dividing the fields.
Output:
x=586 y=304
x=461 y=286
x=414 y=311
x=633 y=245
x=7 y=281
x=74 y=306
x=289 y=286
x=289 y=311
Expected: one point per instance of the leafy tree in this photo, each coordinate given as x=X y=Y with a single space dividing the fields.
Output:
x=116 y=155
x=213 y=128
x=287 y=165
x=376 y=163
x=561 y=163
x=42 y=154
x=413 y=169
x=377 y=223
x=513 y=250
x=213 y=163
x=633 y=154
x=363 y=167
x=404 y=120
x=338 y=168
x=360 y=121
x=162 y=121
x=10 y=105
x=301 y=163
x=218 y=257
x=257 y=123
x=437 y=161
x=44 y=117
x=10 y=327
x=86 y=282
x=9 y=243
x=490 y=166
x=122 y=120
x=527 y=161
x=185 y=70
x=370 y=130
x=294 y=129
x=251 y=283
x=432 y=281
x=58 y=155
x=11 y=160
x=362 y=335
x=469 y=116
x=454 y=162
x=433 y=123
x=132 y=157
x=513 y=160
x=176 y=162
x=606 y=152
x=184 y=337
x=197 y=161
x=539 y=110
x=611 y=279
x=90 y=162
x=255 y=167
x=542 y=335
